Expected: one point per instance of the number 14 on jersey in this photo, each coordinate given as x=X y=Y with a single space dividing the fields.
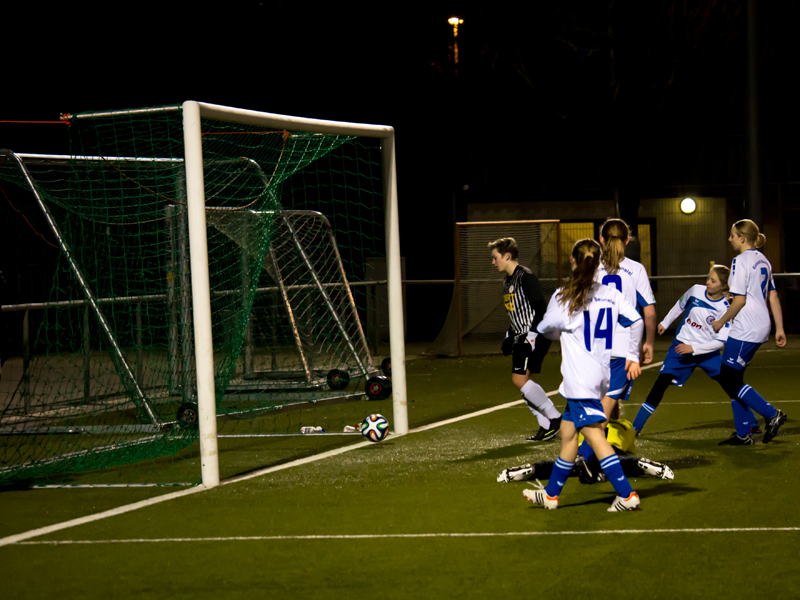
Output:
x=603 y=328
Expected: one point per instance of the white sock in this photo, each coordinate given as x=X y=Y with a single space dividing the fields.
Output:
x=535 y=397
x=543 y=421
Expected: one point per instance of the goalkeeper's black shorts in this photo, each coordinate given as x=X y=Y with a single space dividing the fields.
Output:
x=523 y=359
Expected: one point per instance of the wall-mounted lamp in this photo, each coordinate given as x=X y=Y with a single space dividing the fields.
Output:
x=688 y=206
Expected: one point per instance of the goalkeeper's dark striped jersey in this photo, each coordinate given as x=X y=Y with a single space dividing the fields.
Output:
x=522 y=296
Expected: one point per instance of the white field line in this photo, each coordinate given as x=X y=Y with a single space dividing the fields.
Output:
x=486 y=411
x=13 y=539
x=20 y=537
x=261 y=538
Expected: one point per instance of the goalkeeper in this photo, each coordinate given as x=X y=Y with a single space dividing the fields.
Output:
x=622 y=437
x=525 y=305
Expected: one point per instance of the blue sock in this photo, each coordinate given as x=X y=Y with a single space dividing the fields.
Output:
x=613 y=471
x=586 y=450
x=561 y=471
x=641 y=417
x=753 y=400
x=743 y=417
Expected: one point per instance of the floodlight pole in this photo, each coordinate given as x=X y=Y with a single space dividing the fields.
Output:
x=201 y=294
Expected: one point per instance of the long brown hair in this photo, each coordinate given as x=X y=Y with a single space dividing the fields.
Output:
x=615 y=234
x=749 y=231
x=587 y=258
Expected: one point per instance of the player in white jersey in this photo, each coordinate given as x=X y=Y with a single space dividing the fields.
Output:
x=696 y=344
x=751 y=285
x=630 y=279
x=582 y=314
x=525 y=305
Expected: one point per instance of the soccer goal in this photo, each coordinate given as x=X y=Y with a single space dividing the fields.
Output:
x=477 y=320
x=213 y=266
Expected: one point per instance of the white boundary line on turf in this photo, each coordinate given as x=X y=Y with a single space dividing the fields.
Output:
x=20 y=537
x=486 y=411
x=262 y=538
x=17 y=538
x=14 y=539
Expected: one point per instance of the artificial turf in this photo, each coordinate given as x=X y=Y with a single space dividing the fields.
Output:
x=442 y=481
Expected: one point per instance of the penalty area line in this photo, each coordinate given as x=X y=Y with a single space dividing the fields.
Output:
x=270 y=538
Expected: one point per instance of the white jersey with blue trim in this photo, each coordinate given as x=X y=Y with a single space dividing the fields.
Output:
x=695 y=328
x=631 y=280
x=587 y=338
x=751 y=276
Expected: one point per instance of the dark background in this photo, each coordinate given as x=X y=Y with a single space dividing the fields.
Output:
x=549 y=101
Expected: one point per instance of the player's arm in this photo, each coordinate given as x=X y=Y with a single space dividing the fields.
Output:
x=673 y=314
x=711 y=345
x=553 y=321
x=650 y=333
x=777 y=315
x=737 y=304
x=535 y=297
x=628 y=317
x=646 y=299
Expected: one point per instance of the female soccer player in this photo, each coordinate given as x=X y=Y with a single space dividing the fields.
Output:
x=583 y=313
x=751 y=285
x=630 y=279
x=696 y=344
x=525 y=306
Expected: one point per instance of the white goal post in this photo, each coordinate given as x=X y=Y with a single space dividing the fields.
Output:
x=193 y=112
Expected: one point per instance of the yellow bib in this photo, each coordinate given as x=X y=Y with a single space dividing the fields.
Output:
x=620 y=434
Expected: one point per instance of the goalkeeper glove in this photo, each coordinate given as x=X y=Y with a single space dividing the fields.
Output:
x=508 y=344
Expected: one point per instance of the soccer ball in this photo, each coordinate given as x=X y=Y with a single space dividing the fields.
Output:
x=375 y=428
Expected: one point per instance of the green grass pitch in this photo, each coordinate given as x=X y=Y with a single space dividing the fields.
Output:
x=422 y=515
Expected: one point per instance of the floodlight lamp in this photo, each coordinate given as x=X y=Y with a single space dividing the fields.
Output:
x=688 y=206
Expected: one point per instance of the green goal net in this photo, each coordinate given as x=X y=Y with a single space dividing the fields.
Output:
x=293 y=219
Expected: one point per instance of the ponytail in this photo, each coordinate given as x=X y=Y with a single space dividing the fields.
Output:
x=615 y=234
x=749 y=231
x=587 y=258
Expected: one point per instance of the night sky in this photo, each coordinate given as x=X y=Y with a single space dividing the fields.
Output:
x=548 y=96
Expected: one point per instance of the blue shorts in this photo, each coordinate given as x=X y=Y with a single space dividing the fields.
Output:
x=681 y=366
x=738 y=354
x=583 y=412
x=620 y=386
